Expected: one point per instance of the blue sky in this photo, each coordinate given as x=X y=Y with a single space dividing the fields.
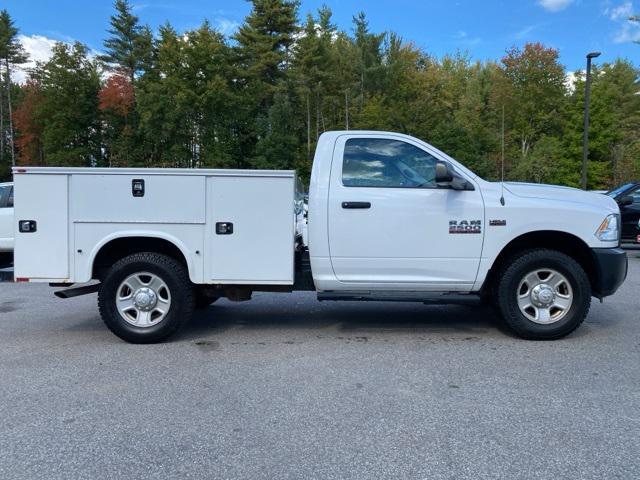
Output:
x=485 y=29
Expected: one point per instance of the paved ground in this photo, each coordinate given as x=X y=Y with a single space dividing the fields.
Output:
x=286 y=387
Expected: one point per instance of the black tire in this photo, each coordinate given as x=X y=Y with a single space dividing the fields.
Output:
x=176 y=278
x=508 y=283
x=6 y=259
x=202 y=299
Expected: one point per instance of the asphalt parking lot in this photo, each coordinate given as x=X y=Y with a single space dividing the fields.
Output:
x=287 y=387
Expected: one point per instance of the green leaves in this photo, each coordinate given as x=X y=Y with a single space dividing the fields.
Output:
x=68 y=85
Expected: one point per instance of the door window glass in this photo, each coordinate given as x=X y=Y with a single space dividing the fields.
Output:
x=378 y=162
x=635 y=194
x=4 y=193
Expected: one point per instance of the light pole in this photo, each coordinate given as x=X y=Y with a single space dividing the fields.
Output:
x=585 y=135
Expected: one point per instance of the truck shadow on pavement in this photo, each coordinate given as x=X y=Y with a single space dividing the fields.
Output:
x=350 y=318
x=351 y=321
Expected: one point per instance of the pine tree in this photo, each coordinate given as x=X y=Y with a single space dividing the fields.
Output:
x=308 y=74
x=264 y=43
x=369 y=64
x=129 y=55
x=129 y=47
x=263 y=59
x=11 y=54
x=278 y=148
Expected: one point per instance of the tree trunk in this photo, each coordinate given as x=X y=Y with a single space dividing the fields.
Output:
x=346 y=109
x=2 y=133
x=10 y=112
x=361 y=91
x=525 y=146
x=308 y=127
x=317 y=116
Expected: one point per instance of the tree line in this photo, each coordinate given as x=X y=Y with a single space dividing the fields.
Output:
x=261 y=97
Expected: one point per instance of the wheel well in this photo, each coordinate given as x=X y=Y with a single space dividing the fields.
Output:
x=119 y=248
x=553 y=240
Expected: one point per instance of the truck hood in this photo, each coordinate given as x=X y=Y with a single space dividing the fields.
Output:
x=565 y=194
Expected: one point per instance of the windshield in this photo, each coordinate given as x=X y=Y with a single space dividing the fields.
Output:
x=617 y=191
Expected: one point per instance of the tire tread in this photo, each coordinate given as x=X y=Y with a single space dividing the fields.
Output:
x=185 y=291
x=521 y=259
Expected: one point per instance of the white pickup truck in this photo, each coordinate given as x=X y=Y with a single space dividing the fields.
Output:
x=389 y=218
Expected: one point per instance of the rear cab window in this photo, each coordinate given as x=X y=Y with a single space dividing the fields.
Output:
x=5 y=194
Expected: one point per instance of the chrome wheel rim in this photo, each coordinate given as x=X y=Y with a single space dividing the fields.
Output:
x=544 y=296
x=143 y=299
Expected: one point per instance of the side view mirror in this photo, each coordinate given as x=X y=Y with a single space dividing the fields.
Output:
x=447 y=178
x=625 y=200
x=443 y=174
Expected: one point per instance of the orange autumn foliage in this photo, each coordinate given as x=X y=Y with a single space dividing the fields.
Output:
x=29 y=130
x=117 y=95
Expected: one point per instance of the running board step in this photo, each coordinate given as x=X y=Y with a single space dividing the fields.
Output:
x=77 y=291
x=437 y=298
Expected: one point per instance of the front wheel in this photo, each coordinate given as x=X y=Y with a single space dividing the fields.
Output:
x=543 y=294
x=146 y=297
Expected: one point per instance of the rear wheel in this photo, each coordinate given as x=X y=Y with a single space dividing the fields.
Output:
x=146 y=297
x=6 y=259
x=543 y=294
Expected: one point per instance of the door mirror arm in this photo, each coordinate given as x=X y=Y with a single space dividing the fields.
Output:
x=459 y=183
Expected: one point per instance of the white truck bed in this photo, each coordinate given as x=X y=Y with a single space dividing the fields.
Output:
x=77 y=211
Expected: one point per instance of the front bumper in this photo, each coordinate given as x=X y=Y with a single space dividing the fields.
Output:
x=611 y=270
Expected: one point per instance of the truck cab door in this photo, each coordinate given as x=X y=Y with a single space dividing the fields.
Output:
x=391 y=226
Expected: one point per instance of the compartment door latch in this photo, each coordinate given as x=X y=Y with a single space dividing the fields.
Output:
x=137 y=187
x=224 y=228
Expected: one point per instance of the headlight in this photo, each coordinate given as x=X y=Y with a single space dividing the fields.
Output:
x=608 y=230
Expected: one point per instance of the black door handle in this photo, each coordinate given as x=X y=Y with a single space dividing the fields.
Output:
x=356 y=205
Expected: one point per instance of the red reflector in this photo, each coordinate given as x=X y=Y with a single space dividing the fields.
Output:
x=21 y=279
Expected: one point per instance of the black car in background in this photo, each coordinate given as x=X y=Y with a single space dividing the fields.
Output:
x=628 y=198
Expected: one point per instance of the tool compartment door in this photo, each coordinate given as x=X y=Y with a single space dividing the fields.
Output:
x=250 y=225
x=44 y=252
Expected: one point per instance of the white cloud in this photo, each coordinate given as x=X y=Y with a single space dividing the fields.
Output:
x=626 y=31
x=554 y=5
x=621 y=12
x=39 y=49
x=524 y=33
x=225 y=26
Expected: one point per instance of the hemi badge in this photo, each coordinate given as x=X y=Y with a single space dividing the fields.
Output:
x=497 y=223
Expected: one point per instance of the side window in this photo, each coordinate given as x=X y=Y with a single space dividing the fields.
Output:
x=636 y=196
x=379 y=162
x=4 y=193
